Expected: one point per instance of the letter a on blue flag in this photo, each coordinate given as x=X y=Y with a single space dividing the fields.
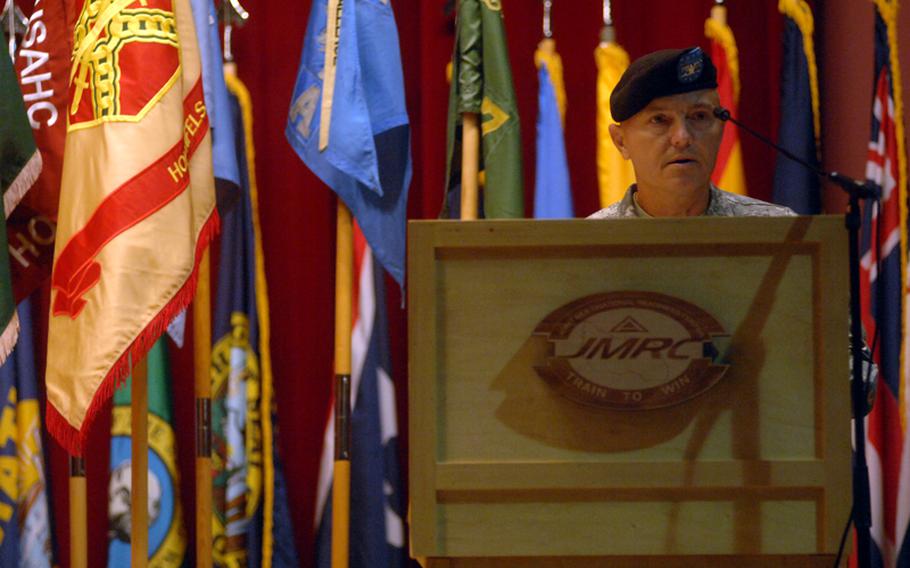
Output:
x=362 y=125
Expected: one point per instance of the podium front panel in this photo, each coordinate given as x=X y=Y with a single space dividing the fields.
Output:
x=509 y=461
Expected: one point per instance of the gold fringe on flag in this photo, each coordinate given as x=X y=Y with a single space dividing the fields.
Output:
x=801 y=13
x=238 y=89
x=28 y=175
x=546 y=55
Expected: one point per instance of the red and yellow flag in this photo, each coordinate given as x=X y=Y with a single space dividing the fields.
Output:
x=728 y=171
x=137 y=200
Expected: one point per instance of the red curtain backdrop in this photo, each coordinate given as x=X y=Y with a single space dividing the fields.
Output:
x=298 y=212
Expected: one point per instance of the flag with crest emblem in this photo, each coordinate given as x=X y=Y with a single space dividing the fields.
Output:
x=137 y=201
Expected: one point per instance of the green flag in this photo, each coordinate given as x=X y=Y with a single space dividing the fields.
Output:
x=20 y=164
x=482 y=83
x=167 y=535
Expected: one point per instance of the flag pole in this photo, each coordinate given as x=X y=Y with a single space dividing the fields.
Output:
x=341 y=479
x=719 y=12
x=139 y=521
x=202 y=349
x=78 y=524
x=470 y=164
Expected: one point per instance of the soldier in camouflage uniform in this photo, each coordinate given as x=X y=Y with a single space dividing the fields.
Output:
x=664 y=105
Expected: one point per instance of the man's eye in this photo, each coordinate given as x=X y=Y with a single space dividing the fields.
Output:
x=658 y=119
x=700 y=116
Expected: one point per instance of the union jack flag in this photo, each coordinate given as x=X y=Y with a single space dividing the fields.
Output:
x=884 y=257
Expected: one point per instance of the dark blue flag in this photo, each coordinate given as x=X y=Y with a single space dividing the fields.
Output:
x=794 y=185
x=251 y=520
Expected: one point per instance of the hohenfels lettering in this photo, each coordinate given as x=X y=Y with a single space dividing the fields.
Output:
x=631 y=350
x=191 y=125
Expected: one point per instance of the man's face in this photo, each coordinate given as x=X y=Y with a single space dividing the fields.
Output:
x=672 y=142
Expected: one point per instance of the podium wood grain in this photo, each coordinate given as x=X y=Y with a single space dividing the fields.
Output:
x=501 y=466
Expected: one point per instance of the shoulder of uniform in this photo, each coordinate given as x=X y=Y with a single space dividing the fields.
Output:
x=726 y=203
x=610 y=212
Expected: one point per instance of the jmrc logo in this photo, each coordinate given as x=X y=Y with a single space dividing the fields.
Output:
x=634 y=347
x=631 y=350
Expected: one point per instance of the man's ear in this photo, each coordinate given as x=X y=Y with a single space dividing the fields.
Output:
x=616 y=134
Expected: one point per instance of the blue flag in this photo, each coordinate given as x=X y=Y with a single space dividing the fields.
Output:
x=251 y=520
x=794 y=185
x=215 y=92
x=367 y=161
x=377 y=504
x=552 y=191
x=25 y=527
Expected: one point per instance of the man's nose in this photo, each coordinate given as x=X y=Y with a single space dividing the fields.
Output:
x=680 y=135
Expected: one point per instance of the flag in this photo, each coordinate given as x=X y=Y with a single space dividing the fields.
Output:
x=800 y=125
x=348 y=121
x=377 y=504
x=552 y=191
x=25 y=527
x=883 y=281
x=20 y=161
x=251 y=520
x=482 y=84
x=217 y=107
x=167 y=532
x=20 y=164
x=614 y=173
x=43 y=64
x=216 y=94
x=137 y=200
x=728 y=171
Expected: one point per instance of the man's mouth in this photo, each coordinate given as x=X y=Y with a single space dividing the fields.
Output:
x=681 y=161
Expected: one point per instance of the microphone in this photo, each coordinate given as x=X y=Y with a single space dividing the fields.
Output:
x=722 y=114
x=863 y=189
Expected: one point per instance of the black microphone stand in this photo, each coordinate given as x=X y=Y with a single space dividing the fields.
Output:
x=856 y=190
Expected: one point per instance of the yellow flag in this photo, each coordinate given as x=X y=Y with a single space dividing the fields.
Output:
x=137 y=201
x=614 y=173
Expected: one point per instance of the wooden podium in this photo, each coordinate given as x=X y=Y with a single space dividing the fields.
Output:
x=509 y=468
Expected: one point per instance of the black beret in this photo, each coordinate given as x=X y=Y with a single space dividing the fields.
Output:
x=661 y=74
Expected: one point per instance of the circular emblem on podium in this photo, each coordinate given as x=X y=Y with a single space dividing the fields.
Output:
x=631 y=350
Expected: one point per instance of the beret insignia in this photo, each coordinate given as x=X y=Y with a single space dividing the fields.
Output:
x=690 y=66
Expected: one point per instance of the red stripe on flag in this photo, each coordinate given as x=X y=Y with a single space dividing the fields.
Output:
x=76 y=271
